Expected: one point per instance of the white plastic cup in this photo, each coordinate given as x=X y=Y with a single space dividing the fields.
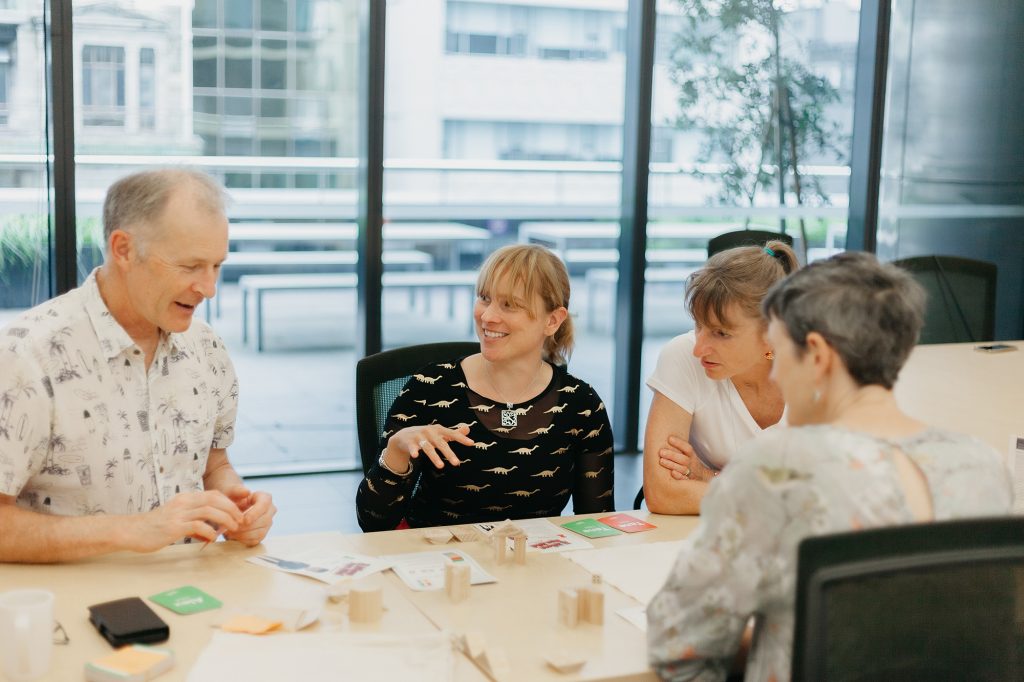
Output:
x=26 y=633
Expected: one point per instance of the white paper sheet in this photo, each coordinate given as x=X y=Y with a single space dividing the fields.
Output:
x=424 y=571
x=326 y=565
x=636 y=570
x=311 y=657
x=635 y=615
x=542 y=536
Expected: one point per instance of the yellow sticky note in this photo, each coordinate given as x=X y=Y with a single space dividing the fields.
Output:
x=132 y=660
x=251 y=625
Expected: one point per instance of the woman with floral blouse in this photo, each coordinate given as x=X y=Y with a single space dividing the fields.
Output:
x=840 y=330
x=503 y=433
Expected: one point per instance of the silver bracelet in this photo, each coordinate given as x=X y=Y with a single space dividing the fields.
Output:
x=384 y=465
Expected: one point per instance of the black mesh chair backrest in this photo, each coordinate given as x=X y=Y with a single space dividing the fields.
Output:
x=730 y=240
x=961 y=297
x=938 y=601
x=380 y=377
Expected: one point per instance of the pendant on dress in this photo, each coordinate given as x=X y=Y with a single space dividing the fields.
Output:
x=509 y=417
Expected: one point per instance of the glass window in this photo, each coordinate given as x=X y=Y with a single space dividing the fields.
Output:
x=272 y=107
x=238 y=62
x=238 y=13
x=103 y=85
x=715 y=166
x=4 y=91
x=274 y=15
x=204 y=14
x=204 y=61
x=273 y=64
x=273 y=147
x=147 y=88
x=303 y=15
x=238 y=106
x=204 y=104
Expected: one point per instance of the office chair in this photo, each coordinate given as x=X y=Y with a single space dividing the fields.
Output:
x=639 y=499
x=730 y=240
x=935 y=601
x=961 y=297
x=381 y=376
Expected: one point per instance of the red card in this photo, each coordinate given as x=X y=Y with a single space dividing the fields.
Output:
x=627 y=523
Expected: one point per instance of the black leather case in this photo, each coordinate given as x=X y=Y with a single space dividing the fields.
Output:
x=127 y=621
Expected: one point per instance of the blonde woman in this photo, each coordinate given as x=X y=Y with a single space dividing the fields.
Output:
x=503 y=433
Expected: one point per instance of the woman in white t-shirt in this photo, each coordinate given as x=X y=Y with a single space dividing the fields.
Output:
x=712 y=390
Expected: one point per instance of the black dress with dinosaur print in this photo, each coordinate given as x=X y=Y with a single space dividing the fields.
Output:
x=561 y=446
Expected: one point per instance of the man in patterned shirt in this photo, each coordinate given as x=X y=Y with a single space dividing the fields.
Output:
x=116 y=407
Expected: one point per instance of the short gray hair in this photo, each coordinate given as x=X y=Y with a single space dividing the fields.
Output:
x=871 y=313
x=139 y=198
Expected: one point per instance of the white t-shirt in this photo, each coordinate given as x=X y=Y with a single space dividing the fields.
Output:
x=721 y=422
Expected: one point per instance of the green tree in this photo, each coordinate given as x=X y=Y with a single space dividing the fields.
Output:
x=756 y=108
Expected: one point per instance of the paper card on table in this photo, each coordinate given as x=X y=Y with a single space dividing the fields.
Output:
x=424 y=571
x=545 y=537
x=626 y=523
x=590 y=528
x=250 y=625
x=133 y=662
x=636 y=615
x=325 y=565
x=186 y=600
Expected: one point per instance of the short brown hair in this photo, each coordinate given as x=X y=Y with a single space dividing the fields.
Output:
x=538 y=271
x=739 y=276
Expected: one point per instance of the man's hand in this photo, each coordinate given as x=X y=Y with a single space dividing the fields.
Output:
x=682 y=462
x=201 y=515
x=257 y=515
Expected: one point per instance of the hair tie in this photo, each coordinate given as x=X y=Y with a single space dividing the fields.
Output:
x=770 y=252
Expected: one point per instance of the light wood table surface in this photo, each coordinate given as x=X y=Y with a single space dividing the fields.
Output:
x=955 y=387
x=518 y=613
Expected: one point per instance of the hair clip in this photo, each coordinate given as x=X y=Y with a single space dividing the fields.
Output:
x=769 y=252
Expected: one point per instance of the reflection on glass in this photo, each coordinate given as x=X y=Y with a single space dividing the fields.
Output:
x=239 y=116
x=24 y=233
x=714 y=148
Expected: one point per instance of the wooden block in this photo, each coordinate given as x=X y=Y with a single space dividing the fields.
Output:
x=564 y=662
x=473 y=644
x=437 y=536
x=500 y=544
x=520 y=549
x=495 y=664
x=456 y=581
x=465 y=533
x=365 y=605
x=595 y=606
x=568 y=607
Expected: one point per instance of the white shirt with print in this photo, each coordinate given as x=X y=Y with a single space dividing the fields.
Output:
x=86 y=429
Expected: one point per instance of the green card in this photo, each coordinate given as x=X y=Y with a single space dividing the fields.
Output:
x=591 y=528
x=186 y=600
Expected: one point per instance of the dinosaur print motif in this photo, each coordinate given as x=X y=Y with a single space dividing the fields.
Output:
x=593 y=474
x=404 y=417
x=524 y=450
x=568 y=389
x=502 y=429
x=542 y=431
x=584 y=413
x=549 y=473
x=600 y=406
x=421 y=402
x=524 y=493
x=561 y=451
x=460 y=384
x=556 y=409
x=446 y=365
x=461 y=424
x=606 y=493
x=496 y=508
x=474 y=488
x=482 y=408
x=574 y=432
x=500 y=470
x=595 y=433
x=425 y=379
x=444 y=403
x=483 y=446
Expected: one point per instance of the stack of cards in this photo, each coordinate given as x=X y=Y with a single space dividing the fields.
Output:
x=608 y=525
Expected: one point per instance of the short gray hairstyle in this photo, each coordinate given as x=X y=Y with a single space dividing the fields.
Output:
x=139 y=198
x=871 y=313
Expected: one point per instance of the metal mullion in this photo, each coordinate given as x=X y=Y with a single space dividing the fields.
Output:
x=868 y=121
x=629 y=300
x=370 y=211
x=61 y=114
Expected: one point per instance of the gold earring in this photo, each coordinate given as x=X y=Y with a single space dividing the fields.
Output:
x=769 y=356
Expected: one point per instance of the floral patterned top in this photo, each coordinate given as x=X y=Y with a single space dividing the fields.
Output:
x=782 y=487
x=86 y=429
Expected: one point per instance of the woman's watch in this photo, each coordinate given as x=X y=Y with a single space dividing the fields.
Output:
x=384 y=465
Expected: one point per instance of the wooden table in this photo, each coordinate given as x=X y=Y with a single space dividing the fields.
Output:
x=955 y=387
x=517 y=613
